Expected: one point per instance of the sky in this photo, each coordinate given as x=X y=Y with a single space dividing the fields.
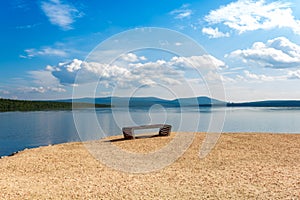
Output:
x=236 y=51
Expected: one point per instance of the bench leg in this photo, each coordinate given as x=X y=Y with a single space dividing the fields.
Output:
x=128 y=134
x=165 y=131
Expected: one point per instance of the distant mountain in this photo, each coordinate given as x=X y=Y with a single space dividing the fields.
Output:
x=150 y=101
x=200 y=101
x=181 y=102
x=119 y=101
x=142 y=102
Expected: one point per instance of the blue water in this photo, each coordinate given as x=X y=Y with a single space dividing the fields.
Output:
x=20 y=130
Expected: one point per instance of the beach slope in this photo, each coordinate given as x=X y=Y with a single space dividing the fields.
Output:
x=241 y=166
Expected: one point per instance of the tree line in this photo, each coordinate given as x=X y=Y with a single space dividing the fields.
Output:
x=24 y=105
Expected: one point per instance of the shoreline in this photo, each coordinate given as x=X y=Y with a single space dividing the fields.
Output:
x=121 y=136
x=241 y=166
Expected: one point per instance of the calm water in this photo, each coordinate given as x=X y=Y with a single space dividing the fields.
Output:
x=20 y=130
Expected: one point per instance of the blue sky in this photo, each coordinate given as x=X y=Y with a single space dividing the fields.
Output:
x=253 y=47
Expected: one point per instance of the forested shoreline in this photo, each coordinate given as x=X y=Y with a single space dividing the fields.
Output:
x=7 y=105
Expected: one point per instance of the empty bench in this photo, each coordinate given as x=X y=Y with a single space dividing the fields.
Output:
x=164 y=130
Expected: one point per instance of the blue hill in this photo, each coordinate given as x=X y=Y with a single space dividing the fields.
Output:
x=149 y=101
x=181 y=102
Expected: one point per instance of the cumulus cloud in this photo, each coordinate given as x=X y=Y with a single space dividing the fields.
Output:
x=89 y=72
x=275 y=53
x=203 y=62
x=250 y=15
x=46 y=51
x=159 y=71
x=73 y=66
x=65 y=72
x=214 y=32
x=131 y=57
x=261 y=77
x=60 y=14
x=170 y=72
x=182 y=12
x=247 y=76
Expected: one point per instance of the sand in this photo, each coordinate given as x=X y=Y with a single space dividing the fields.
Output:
x=241 y=166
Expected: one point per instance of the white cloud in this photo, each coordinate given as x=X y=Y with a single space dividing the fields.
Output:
x=276 y=53
x=156 y=72
x=46 y=51
x=43 y=78
x=88 y=72
x=131 y=57
x=261 y=77
x=34 y=89
x=73 y=66
x=43 y=81
x=56 y=89
x=182 y=12
x=169 y=72
x=227 y=79
x=203 y=62
x=214 y=33
x=40 y=84
x=41 y=89
x=50 y=68
x=254 y=77
x=249 y=15
x=294 y=74
x=60 y=14
x=142 y=58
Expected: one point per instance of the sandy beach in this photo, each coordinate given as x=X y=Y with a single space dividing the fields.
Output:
x=241 y=166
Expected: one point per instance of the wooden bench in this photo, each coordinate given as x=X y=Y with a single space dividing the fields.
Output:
x=164 y=130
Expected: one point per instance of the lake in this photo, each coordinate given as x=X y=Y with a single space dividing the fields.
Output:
x=20 y=130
